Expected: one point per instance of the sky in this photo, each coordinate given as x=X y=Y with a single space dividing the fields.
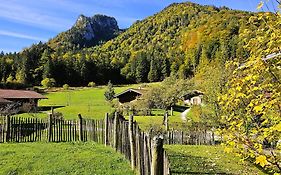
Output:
x=24 y=22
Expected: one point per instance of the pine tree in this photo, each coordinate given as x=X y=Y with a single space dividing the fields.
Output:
x=46 y=62
x=109 y=93
x=142 y=68
x=153 y=73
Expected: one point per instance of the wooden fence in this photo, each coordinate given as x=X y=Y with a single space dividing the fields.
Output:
x=144 y=150
x=190 y=137
x=146 y=155
x=15 y=129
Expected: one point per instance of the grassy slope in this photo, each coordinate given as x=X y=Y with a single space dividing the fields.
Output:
x=191 y=159
x=89 y=102
x=61 y=158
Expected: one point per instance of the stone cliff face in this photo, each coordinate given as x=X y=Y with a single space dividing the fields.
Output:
x=88 y=31
x=96 y=26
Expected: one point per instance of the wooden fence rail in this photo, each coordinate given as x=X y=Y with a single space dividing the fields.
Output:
x=189 y=138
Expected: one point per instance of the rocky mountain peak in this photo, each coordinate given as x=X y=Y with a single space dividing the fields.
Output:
x=90 y=31
x=99 y=21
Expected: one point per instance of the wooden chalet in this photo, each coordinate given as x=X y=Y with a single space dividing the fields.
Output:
x=193 y=98
x=26 y=99
x=129 y=95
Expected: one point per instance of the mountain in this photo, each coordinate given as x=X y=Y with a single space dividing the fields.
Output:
x=161 y=44
x=176 y=41
x=87 y=32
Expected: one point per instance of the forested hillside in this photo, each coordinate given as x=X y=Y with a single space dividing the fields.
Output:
x=174 y=41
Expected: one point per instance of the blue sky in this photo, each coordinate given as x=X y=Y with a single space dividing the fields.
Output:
x=24 y=22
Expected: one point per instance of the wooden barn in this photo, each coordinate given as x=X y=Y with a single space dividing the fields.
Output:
x=129 y=95
x=28 y=100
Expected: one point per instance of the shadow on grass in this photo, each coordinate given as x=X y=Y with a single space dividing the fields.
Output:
x=179 y=108
x=186 y=164
x=48 y=108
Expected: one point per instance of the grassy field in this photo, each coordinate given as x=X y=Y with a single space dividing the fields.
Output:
x=68 y=158
x=61 y=158
x=156 y=122
x=89 y=102
x=192 y=159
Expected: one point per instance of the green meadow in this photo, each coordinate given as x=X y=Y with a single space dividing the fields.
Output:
x=69 y=158
x=201 y=159
x=61 y=159
x=89 y=102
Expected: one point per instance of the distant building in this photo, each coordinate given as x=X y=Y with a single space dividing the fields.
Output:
x=27 y=100
x=129 y=95
x=193 y=98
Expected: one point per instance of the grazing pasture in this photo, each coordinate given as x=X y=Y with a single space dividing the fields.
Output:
x=61 y=158
x=89 y=102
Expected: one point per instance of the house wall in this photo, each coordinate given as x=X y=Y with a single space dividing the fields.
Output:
x=197 y=100
x=27 y=105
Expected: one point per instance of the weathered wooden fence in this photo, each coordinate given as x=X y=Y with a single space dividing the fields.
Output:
x=145 y=152
x=16 y=129
x=189 y=137
x=146 y=155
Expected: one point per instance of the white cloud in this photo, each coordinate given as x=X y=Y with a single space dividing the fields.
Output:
x=20 y=35
x=22 y=13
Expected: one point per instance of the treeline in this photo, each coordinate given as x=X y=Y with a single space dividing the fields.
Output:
x=172 y=42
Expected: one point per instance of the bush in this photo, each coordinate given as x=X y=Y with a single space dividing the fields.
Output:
x=65 y=86
x=91 y=84
x=48 y=82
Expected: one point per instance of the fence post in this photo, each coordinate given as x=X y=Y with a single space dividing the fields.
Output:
x=8 y=128
x=138 y=149
x=80 y=127
x=50 y=129
x=166 y=121
x=132 y=142
x=157 y=156
x=106 y=129
x=52 y=111
x=115 y=132
x=172 y=111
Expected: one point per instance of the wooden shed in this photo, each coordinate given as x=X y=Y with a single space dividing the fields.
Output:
x=129 y=95
x=28 y=100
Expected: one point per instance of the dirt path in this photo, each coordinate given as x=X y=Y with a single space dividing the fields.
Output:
x=183 y=114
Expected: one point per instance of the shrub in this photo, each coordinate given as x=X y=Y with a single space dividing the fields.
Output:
x=65 y=86
x=91 y=84
x=48 y=82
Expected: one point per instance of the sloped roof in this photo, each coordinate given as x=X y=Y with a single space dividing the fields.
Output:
x=193 y=93
x=138 y=91
x=20 y=94
x=2 y=100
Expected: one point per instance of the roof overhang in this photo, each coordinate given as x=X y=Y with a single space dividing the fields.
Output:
x=127 y=91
